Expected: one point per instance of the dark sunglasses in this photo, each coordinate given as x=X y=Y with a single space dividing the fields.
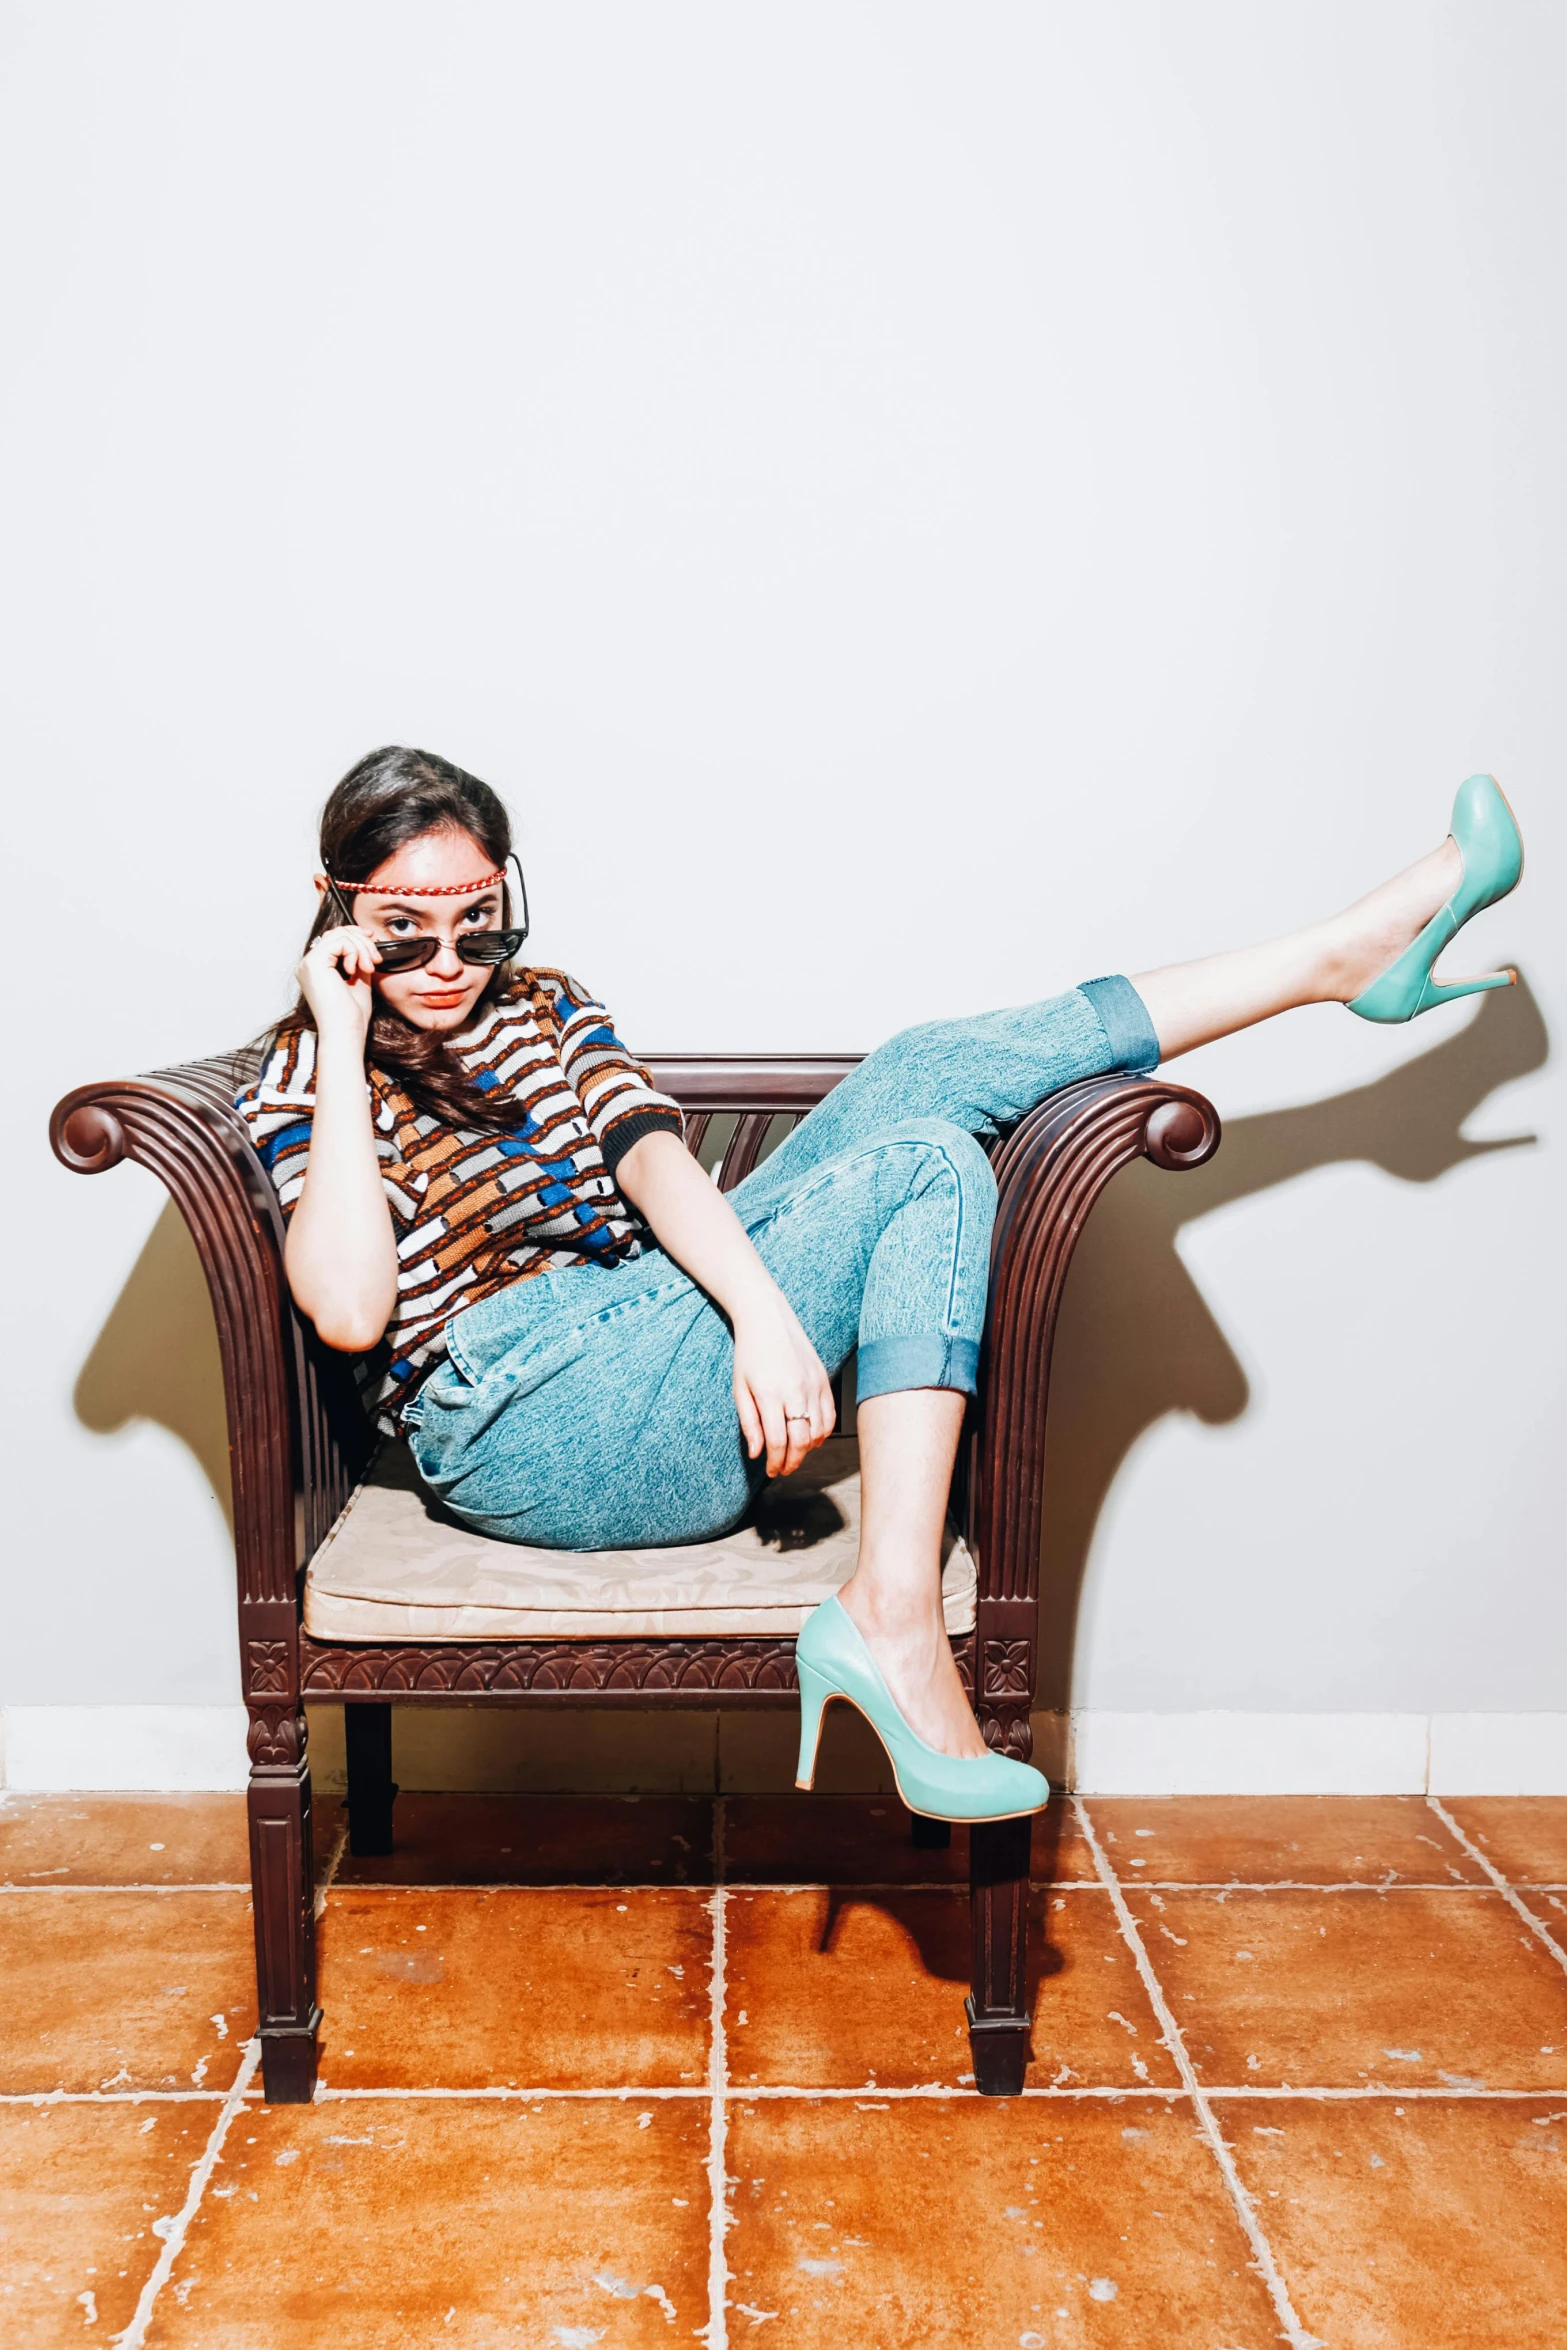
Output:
x=473 y=946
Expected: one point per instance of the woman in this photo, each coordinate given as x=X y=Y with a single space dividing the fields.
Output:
x=587 y=1344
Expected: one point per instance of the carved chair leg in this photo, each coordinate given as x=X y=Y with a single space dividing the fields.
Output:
x=929 y=1835
x=367 y=1738
x=282 y=1877
x=998 y=2017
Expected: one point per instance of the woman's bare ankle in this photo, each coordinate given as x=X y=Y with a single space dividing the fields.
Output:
x=1360 y=943
x=914 y=1657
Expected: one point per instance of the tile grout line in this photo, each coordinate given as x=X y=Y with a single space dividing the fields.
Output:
x=876 y=2092
x=135 y=2333
x=716 y=2331
x=193 y=1887
x=113 y=2096
x=841 y=1885
x=1513 y=1900
x=1245 y=2211
x=331 y=1881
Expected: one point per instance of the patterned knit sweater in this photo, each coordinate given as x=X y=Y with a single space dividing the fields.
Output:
x=473 y=1210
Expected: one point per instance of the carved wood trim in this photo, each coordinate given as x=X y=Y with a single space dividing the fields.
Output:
x=596 y=1672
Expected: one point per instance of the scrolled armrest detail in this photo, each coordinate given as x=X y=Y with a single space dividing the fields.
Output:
x=180 y=1125
x=89 y=1140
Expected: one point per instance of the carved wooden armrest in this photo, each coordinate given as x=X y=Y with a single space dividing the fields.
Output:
x=181 y=1124
x=1049 y=1172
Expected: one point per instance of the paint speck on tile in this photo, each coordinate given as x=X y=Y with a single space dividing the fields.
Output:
x=89 y=2301
x=821 y=2268
x=1102 y=2289
x=1403 y=2055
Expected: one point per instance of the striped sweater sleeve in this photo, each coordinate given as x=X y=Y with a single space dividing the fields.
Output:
x=279 y=1109
x=615 y=1091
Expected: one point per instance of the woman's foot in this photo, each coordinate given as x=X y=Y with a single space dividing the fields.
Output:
x=914 y=1657
x=1367 y=937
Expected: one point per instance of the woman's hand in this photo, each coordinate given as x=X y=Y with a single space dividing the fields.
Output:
x=336 y=978
x=781 y=1389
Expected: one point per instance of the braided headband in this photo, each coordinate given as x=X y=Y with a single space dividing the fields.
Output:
x=443 y=889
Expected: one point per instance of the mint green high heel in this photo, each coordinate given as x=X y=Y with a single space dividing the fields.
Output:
x=833 y=1661
x=1492 y=850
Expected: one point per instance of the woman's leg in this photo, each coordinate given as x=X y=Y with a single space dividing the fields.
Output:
x=986 y=1072
x=908 y=1446
x=1194 y=1003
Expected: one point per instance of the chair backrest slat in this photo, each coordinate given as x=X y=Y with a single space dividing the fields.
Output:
x=745 y=1148
x=755 y=1089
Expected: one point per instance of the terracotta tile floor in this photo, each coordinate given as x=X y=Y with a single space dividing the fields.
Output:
x=1299 y=2075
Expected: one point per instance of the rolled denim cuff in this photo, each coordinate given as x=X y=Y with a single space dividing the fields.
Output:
x=1124 y=1018
x=884 y=1366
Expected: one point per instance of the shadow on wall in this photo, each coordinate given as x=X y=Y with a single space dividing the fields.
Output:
x=1136 y=1339
x=156 y=1357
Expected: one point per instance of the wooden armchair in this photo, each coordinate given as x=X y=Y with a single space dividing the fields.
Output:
x=299 y=1444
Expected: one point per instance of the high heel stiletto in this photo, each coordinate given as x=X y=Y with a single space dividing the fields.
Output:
x=832 y=1660
x=1492 y=850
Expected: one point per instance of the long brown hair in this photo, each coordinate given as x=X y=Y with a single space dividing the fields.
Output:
x=393 y=796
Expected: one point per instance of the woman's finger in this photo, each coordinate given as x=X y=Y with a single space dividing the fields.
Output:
x=801 y=1426
x=750 y=1421
x=777 y=1432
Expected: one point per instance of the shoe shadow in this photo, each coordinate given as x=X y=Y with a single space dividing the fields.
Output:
x=1136 y=1338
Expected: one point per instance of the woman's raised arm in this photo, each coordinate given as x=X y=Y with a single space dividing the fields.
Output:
x=341 y=1252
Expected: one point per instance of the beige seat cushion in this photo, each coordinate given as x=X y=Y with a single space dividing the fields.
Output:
x=398 y=1566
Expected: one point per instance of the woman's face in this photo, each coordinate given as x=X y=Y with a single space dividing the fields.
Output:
x=442 y=993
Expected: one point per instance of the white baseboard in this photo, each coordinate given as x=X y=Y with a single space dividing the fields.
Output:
x=1498 y=1754
x=1249 y=1754
x=115 y=1747
x=180 y=1747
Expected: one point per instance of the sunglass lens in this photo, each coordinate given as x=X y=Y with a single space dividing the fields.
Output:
x=477 y=946
x=489 y=946
x=406 y=954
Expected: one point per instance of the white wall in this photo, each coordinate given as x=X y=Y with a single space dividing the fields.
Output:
x=914 y=506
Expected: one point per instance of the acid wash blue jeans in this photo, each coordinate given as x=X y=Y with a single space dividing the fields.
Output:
x=592 y=1408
